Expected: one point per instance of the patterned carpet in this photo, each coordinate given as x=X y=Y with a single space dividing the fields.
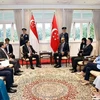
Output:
x=48 y=83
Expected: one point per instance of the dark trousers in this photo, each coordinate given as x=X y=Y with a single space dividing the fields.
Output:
x=8 y=73
x=59 y=55
x=75 y=60
x=37 y=59
x=16 y=64
x=90 y=66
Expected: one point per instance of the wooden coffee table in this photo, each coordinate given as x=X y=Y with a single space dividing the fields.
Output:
x=46 y=54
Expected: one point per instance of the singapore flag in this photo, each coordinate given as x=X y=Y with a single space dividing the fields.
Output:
x=34 y=41
x=54 y=35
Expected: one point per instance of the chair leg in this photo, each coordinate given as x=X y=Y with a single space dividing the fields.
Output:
x=22 y=62
x=27 y=64
x=66 y=62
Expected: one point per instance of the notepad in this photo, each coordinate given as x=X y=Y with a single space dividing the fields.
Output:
x=4 y=63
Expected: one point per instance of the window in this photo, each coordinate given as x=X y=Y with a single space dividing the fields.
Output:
x=82 y=25
x=43 y=23
x=7 y=26
x=1 y=32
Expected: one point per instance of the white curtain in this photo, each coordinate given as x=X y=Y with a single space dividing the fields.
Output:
x=59 y=17
x=96 y=21
x=18 y=21
x=68 y=16
x=27 y=17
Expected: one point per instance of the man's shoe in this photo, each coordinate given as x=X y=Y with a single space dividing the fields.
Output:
x=19 y=71
x=55 y=65
x=14 y=85
x=38 y=66
x=11 y=90
x=58 y=66
x=32 y=67
x=73 y=71
x=17 y=74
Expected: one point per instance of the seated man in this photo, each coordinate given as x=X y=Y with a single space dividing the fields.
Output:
x=90 y=66
x=9 y=48
x=8 y=74
x=63 y=50
x=4 y=55
x=85 y=52
x=30 y=53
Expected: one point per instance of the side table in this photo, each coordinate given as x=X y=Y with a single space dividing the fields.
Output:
x=46 y=54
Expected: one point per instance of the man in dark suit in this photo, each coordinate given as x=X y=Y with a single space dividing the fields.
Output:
x=30 y=53
x=64 y=34
x=85 y=52
x=23 y=37
x=8 y=74
x=63 y=50
x=9 y=48
x=4 y=55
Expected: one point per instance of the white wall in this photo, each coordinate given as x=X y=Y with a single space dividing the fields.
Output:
x=74 y=47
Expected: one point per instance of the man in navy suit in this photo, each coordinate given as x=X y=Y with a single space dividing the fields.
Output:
x=9 y=78
x=64 y=34
x=30 y=53
x=63 y=50
x=23 y=37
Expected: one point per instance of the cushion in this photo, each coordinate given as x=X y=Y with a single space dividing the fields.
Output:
x=80 y=63
x=95 y=73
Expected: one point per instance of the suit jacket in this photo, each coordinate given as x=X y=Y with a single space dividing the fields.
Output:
x=26 y=51
x=10 y=49
x=82 y=46
x=23 y=39
x=87 y=50
x=65 y=48
x=65 y=36
x=2 y=54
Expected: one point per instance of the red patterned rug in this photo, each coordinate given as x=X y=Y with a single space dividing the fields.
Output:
x=48 y=83
x=49 y=90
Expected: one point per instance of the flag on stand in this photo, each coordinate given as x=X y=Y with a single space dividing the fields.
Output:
x=34 y=41
x=54 y=35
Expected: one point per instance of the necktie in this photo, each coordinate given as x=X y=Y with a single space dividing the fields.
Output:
x=6 y=54
x=29 y=49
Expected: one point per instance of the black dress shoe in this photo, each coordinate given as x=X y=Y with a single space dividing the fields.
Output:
x=19 y=71
x=17 y=74
x=73 y=71
x=58 y=66
x=11 y=90
x=14 y=85
x=55 y=65
x=38 y=66
x=32 y=67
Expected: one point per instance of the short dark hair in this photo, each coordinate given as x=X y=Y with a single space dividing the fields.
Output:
x=26 y=41
x=24 y=29
x=1 y=44
x=64 y=27
x=90 y=39
x=7 y=39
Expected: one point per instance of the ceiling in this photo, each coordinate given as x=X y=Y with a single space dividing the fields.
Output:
x=51 y=2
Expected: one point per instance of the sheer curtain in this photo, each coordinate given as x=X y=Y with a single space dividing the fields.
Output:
x=59 y=16
x=27 y=17
x=68 y=19
x=18 y=21
x=96 y=21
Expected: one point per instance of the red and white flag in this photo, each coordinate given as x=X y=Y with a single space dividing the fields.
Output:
x=54 y=35
x=34 y=40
